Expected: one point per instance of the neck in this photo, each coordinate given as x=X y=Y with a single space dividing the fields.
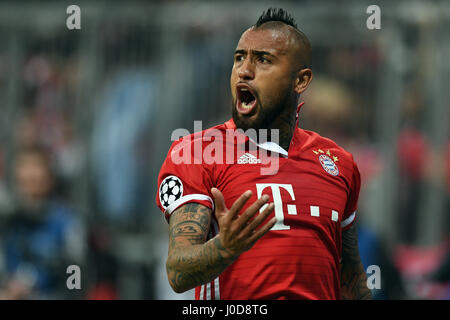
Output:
x=285 y=123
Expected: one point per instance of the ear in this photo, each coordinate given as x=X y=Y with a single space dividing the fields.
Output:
x=303 y=79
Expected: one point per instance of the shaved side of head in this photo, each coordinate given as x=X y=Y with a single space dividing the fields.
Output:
x=278 y=19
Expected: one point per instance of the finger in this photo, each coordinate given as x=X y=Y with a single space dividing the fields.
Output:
x=254 y=208
x=219 y=202
x=262 y=231
x=239 y=204
x=249 y=229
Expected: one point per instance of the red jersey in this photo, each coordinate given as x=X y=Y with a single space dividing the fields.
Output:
x=314 y=188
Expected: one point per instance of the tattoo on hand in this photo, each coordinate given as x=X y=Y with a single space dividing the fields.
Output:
x=192 y=261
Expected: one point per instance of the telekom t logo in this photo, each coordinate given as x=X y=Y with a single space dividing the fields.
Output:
x=291 y=208
x=278 y=204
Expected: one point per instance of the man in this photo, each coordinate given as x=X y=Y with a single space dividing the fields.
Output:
x=41 y=236
x=285 y=235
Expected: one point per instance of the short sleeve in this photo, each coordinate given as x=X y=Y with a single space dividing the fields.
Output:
x=352 y=202
x=181 y=182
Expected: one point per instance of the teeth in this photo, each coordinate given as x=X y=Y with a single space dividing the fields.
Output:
x=245 y=105
x=244 y=89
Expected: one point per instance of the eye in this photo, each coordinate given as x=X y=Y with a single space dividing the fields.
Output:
x=264 y=60
x=238 y=57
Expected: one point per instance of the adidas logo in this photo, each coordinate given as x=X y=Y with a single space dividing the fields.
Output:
x=248 y=158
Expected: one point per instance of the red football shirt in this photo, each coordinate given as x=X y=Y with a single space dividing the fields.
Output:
x=314 y=187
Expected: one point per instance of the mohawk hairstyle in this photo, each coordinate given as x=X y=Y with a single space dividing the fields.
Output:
x=282 y=16
x=276 y=14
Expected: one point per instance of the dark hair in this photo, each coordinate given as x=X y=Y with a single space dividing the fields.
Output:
x=276 y=14
x=279 y=15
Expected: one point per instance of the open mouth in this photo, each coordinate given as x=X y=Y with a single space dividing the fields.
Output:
x=246 y=99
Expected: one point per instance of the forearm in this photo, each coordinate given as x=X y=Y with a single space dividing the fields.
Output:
x=192 y=260
x=353 y=276
x=191 y=266
x=354 y=282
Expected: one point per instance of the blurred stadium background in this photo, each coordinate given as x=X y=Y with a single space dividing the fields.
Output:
x=86 y=118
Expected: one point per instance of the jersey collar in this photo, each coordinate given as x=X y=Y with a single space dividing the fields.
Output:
x=269 y=145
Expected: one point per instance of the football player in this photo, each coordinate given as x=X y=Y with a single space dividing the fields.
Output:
x=238 y=234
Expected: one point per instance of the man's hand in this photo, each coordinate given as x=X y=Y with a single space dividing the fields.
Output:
x=239 y=233
x=192 y=261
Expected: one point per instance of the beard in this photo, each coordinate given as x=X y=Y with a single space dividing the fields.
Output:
x=267 y=116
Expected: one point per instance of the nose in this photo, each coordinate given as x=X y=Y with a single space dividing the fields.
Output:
x=246 y=70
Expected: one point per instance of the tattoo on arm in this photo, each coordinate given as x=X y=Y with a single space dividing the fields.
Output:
x=191 y=260
x=353 y=276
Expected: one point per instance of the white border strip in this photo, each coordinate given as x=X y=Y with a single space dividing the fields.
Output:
x=202 y=291
x=349 y=220
x=208 y=291
x=216 y=289
x=196 y=196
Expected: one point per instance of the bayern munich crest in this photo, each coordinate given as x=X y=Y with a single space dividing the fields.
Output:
x=328 y=165
x=170 y=190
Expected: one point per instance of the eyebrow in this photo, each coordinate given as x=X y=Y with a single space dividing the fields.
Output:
x=255 y=52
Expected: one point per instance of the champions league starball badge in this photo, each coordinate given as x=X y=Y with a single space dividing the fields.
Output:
x=170 y=190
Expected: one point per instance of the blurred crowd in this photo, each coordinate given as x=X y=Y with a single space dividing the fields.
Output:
x=41 y=231
x=68 y=197
x=77 y=187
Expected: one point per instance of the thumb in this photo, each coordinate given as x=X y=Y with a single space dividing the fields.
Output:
x=219 y=202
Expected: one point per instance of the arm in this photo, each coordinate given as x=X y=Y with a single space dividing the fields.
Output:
x=192 y=261
x=353 y=276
